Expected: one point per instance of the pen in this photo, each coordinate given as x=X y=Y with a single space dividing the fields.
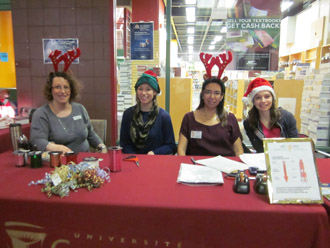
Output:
x=193 y=160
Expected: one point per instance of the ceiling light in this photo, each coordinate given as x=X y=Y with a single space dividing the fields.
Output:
x=230 y=4
x=190 y=14
x=190 y=40
x=285 y=5
x=213 y=42
x=211 y=47
x=218 y=38
x=190 y=49
x=223 y=29
x=191 y=30
x=190 y=1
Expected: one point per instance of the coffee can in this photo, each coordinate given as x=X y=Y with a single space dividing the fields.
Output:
x=115 y=156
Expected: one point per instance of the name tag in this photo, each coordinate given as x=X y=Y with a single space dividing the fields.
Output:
x=196 y=134
x=259 y=134
x=77 y=117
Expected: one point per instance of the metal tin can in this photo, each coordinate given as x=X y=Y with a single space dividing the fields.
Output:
x=35 y=159
x=19 y=158
x=115 y=156
x=92 y=161
x=55 y=159
x=71 y=157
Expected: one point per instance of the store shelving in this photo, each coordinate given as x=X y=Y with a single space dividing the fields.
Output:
x=234 y=93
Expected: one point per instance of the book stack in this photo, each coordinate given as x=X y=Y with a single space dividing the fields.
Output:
x=315 y=107
x=124 y=98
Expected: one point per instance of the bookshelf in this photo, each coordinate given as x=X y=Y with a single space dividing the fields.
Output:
x=233 y=100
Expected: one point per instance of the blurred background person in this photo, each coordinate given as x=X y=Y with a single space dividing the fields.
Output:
x=7 y=107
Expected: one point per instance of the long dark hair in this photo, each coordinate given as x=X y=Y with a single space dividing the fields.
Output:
x=221 y=112
x=75 y=85
x=254 y=116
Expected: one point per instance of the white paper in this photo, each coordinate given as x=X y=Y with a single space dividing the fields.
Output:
x=222 y=164
x=293 y=173
x=198 y=174
x=254 y=160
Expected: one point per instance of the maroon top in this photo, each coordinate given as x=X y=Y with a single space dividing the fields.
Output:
x=210 y=140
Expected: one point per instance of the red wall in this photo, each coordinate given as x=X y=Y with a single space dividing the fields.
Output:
x=146 y=10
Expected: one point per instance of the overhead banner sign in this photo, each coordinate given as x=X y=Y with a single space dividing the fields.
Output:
x=253 y=34
x=252 y=40
x=142 y=41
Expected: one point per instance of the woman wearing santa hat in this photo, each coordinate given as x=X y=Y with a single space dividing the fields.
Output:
x=264 y=119
x=146 y=128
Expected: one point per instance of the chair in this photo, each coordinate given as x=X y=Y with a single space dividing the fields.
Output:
x=100 y=127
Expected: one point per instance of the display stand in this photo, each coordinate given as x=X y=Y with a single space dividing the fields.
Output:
x=292 y=171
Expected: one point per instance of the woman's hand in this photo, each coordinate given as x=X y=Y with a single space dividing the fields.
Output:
x=57 y=148
x=183 y=144
x=102 y=148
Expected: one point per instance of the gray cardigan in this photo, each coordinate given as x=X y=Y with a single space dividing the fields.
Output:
x=74 y=131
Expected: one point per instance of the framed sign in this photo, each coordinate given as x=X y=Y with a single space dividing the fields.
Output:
x=142 y=41
x=292 y=171
x=62 y=45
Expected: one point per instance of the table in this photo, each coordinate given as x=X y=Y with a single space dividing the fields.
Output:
x=145 y=207
x=324 y=175
x=5 y=138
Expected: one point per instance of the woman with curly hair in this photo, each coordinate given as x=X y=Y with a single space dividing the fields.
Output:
x=264 y=119
x=61 y=124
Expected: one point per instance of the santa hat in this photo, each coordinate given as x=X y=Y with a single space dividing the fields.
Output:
x=255 y=86
x=148 y=77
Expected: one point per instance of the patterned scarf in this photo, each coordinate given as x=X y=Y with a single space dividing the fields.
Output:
x=139 y=129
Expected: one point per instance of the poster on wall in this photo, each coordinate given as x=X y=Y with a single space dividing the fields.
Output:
x=62 y=45
x=253 y=34
x=142 y=41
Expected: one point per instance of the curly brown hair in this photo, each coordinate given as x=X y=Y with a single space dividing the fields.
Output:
x=75 y=85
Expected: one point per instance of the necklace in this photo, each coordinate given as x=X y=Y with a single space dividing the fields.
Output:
x=69 y=129
x=214 y=117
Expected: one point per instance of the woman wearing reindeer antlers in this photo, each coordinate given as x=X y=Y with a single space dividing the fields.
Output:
x=61 y=124
x=210 y=130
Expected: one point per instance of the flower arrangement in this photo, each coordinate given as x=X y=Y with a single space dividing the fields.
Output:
x=72 y=176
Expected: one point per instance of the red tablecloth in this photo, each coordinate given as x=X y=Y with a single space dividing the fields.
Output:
x=324 y=174
x=5 y=139
x=145 y=207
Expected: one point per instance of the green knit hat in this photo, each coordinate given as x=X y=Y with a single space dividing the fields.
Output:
x=148 y=77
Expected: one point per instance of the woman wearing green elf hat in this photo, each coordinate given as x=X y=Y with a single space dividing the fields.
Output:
x=146 y=128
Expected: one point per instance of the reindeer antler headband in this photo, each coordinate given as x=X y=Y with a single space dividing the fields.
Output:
x=209 y=61
x=67 y=57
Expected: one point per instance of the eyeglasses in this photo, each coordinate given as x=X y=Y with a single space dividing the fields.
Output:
x=59 y=88
x=215 y=93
